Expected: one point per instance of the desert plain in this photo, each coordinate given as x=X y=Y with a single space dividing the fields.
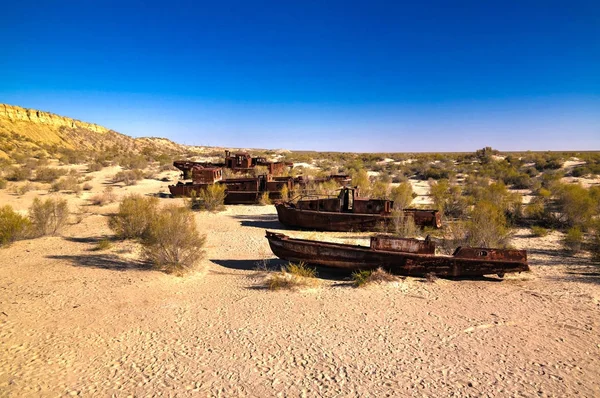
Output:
x=78 y=321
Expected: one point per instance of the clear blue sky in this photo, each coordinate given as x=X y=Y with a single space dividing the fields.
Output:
x=325 y=75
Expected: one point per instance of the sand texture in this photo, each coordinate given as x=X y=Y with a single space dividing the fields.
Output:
x=74 y=321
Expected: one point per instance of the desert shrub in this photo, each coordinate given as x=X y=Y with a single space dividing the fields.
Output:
x=68 y=183
x=361 y=180
x=134 y=217
x=48 y=174
x=95 y=166
x=212 y=197
x=264 y=199
x=487 y=226
x=129 y=177
x=48 y=217
x=448 y=198
x=259 y=171
x=13 y=226
x=403 y=225
x=539 y=231
x=87 y=187
x=402 y=195
x=573 y=240
x=285 y=193
x=24 y=188
x=365 y=277
x=108 y=196
x=18 y=174
x=501 y=197
x=172 y=242
x=293 y=276
x=3 y=183
x=380 y=190
x=575 y=205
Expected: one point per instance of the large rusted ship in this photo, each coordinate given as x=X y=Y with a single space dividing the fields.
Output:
x=349 y=212
x=411 y=257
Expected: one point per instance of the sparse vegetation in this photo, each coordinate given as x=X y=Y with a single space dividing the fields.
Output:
x=129 y=177
x=172 y=242
x=48 y=174
x=211 y=198
x=135 y=215
x=365 y=277
x=487 y=226
x=13 y=226
x=402 y=195
x=539 y=231
x=48 y=217
x=573 y=240
x=107 y=196
x=264 y=199
x=293 y=276
x=403 y=225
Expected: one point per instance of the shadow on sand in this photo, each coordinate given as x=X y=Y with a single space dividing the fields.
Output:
x=267 y=221
x=103 y=261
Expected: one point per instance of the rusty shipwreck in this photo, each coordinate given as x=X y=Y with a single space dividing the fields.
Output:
x=349 y=212
x=410 y=257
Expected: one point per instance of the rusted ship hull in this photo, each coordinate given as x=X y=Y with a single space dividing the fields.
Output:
x=464 y=263
x=340 y=221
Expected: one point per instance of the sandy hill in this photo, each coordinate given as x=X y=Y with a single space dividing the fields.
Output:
x=29 y=129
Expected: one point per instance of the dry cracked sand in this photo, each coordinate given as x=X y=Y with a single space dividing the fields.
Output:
x=74 y=321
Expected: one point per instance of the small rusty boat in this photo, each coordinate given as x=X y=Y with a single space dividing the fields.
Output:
x=411 y=257
x=348 y=212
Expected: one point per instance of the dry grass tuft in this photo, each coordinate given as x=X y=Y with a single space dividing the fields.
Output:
x=366 y=277
x=293 y=276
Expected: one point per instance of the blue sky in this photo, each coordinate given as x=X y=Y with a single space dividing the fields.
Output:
x=325 y=75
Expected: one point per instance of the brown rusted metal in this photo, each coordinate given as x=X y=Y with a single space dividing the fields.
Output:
x=399 y=258
x=347 y=212
x=407 y=245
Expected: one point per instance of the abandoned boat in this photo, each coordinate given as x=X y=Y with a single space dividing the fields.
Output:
x=348 y=212
x=411 y=257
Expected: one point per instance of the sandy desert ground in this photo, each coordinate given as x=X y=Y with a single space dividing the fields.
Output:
x=74 y=321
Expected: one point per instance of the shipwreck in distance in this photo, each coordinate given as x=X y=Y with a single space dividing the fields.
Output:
x=410 y=257
x=349 y=212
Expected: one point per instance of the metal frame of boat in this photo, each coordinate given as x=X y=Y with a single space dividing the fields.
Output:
x=409 y=257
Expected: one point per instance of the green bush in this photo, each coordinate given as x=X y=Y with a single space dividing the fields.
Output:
x=13 y=226
x=487 y=226
x=448 y=198
x=48 y=217
x=402 y=195
x=573 y=240
x=134 y=217
x=172 y=242
x=212 y=197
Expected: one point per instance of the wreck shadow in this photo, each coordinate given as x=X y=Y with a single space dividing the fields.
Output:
x=553 y=258
x=267 y=221
x=103 y=261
